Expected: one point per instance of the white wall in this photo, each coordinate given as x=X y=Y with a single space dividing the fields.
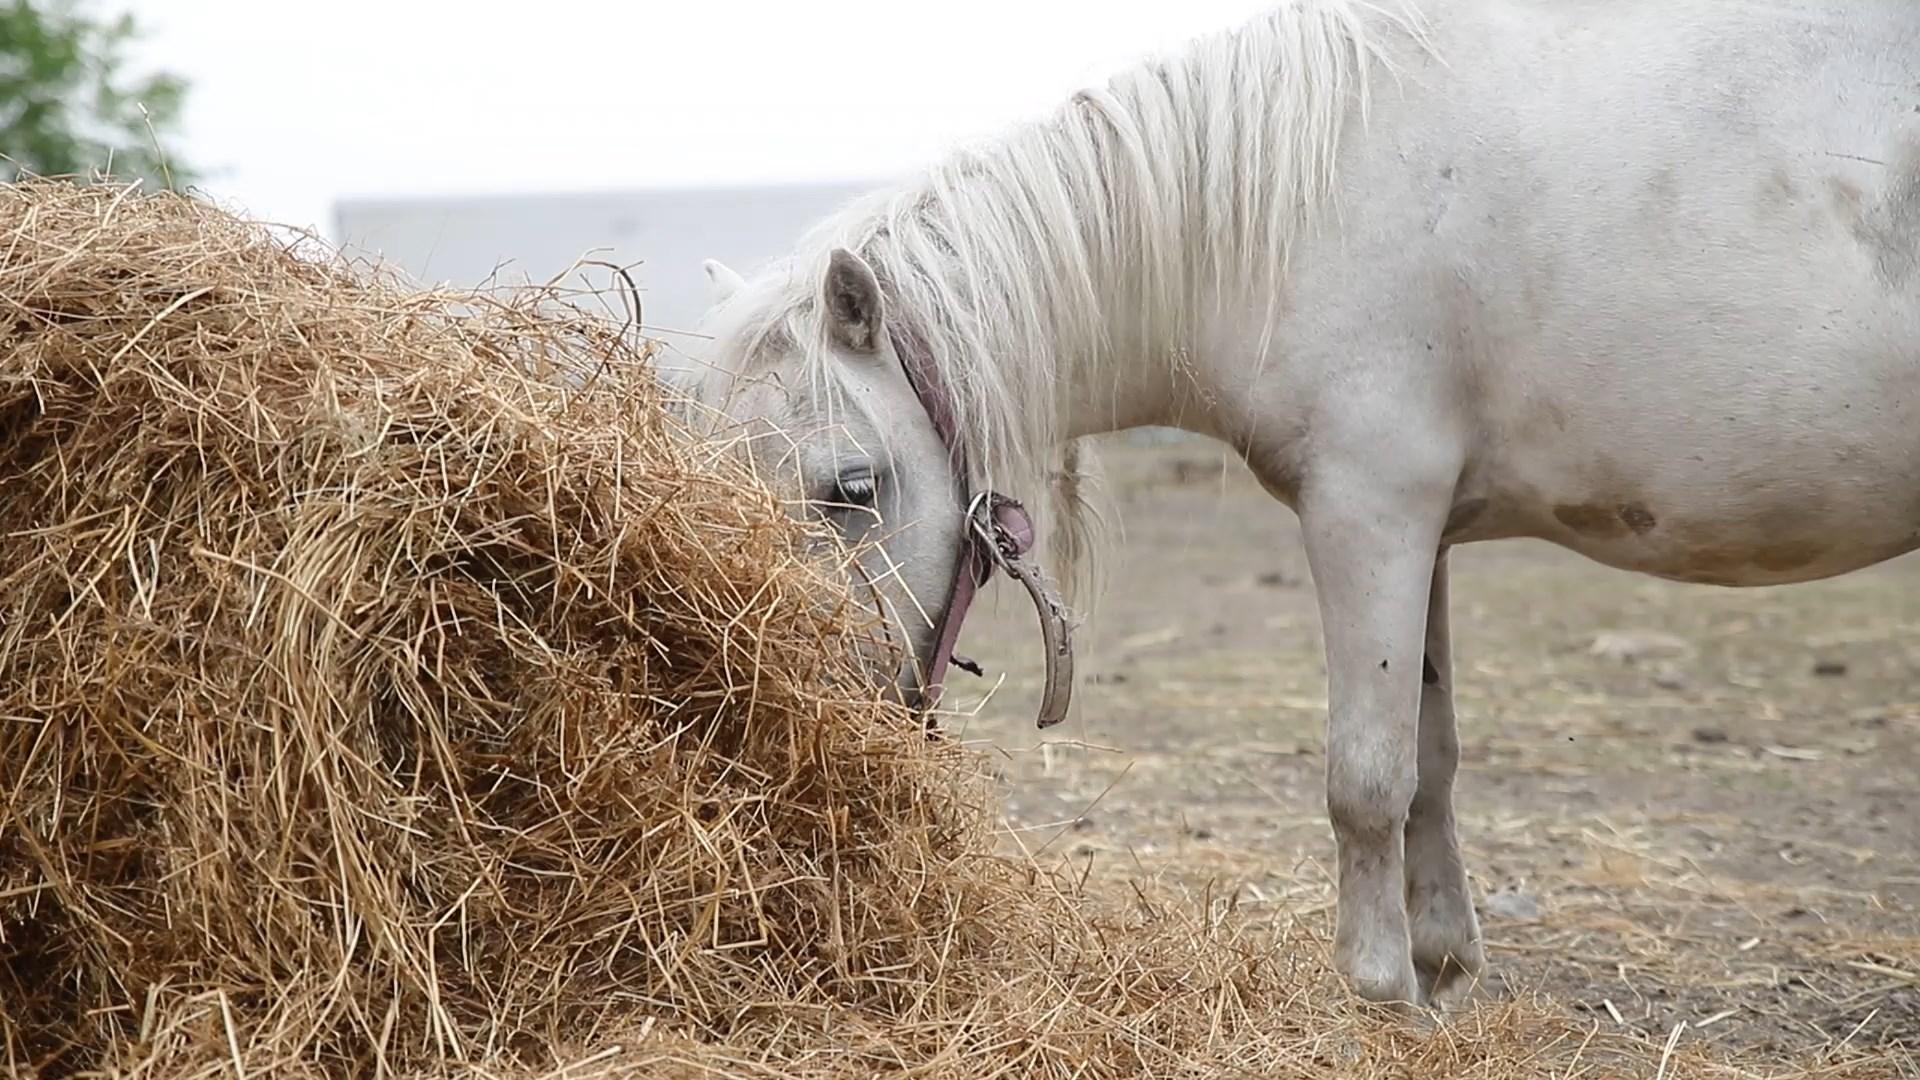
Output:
x=463 y=241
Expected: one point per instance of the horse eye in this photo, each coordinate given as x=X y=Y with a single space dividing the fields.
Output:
x=856 y=488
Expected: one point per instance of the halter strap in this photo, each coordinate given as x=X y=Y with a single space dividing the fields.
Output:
x=998 y=532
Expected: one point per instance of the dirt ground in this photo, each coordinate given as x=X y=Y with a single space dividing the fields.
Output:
x=1678 y=803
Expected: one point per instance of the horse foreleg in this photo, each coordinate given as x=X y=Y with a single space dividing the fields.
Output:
x=1447 y=951
x=1371 y=544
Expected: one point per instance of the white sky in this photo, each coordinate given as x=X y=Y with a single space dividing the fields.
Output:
x=297 y=102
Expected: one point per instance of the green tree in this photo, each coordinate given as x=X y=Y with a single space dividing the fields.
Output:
x=68 y=106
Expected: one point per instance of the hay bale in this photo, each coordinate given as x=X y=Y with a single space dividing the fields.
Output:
x=373 y=704
x=368 y=701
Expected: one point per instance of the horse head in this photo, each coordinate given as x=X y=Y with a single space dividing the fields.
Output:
x=838 y=407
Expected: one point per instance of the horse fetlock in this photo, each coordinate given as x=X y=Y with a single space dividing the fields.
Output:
x=1440 y=916
x=1446 y=941
x=1371 y=943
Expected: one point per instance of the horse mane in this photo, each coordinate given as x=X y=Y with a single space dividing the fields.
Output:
x=1027 y=261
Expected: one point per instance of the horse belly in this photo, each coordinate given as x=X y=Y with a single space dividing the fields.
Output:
x=1749 y=544
x=1734 y=497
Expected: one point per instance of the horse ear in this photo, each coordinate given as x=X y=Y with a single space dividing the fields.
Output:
x=854 y=307
x=722 y=282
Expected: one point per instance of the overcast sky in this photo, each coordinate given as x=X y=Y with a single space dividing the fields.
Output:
x=297 y=102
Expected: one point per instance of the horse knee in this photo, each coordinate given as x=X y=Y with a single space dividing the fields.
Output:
x=1368 y=803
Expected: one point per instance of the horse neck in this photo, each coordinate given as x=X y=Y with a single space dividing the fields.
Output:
x=1084 y=349
x=1150 y=218
x=1129 y=380
x=1104 y=278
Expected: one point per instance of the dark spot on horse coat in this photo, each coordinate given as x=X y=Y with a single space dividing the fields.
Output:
x=1600 y=522
x=1847 y=198
x=1781 y=182
x=1638 y=518
x=1428 y=673
x=1778 y=192
x=1607 y=522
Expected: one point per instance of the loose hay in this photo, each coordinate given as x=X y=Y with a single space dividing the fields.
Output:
x=372 y=703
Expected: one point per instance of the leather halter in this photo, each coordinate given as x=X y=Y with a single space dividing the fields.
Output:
x=997 y=532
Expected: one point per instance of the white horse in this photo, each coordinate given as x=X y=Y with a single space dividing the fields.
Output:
x=1639 y=278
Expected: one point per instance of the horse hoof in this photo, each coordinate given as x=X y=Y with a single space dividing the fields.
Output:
x=1400 y=990
x=1458 y=989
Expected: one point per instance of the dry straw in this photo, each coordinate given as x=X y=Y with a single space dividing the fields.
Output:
x=389 y=686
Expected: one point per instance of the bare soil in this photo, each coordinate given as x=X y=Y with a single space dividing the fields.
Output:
x=1680 y=804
